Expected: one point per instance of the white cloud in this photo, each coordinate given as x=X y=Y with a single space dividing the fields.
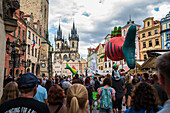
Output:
x=103 y=16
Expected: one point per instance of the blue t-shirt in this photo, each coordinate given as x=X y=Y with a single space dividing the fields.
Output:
x=141 y=111
x=41 y=94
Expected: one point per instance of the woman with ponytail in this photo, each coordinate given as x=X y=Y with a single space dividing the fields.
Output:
x=77 y=99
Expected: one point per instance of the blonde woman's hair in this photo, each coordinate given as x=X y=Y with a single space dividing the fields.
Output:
x=10 y=92
x=77 y=97
x=128 y=79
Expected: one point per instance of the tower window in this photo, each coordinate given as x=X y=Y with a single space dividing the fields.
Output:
x=58 y=45
x=72 y=44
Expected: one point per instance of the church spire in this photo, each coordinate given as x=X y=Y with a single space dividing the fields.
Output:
x=59 y=32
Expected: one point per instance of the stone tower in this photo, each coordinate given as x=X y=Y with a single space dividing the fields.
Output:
x=74 y=39
x=39 y=8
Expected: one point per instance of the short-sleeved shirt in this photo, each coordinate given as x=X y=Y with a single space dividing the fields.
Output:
x=99 y=90
x=41 y=94
x=24 y=105
x=117 y=85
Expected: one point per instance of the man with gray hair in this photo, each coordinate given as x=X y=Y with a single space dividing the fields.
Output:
x=163 y=67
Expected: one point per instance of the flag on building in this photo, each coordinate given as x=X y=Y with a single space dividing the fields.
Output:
x=39 y=47
x=33 y=44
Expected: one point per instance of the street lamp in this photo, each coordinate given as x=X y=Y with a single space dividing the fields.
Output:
x=15 y=49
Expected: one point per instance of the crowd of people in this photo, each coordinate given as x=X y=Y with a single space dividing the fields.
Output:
x=140 y=93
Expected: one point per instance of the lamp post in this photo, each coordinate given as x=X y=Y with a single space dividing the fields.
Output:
x=15 y=49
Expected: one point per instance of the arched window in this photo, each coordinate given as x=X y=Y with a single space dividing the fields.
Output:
x=65 y=57
x=72 y=44
x=58 y=45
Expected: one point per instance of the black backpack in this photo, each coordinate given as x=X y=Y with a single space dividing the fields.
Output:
x=96 y=85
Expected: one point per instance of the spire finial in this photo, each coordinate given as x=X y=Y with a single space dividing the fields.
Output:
x=130 y=17
x=59 y=24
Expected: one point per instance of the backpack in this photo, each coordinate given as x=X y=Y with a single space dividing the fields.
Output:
x=96 y=85
x=90 y=90
x=106 y=98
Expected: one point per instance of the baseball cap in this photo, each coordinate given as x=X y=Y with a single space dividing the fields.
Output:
x=27 y=80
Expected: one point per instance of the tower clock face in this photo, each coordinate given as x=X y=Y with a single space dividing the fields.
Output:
x=43 y=65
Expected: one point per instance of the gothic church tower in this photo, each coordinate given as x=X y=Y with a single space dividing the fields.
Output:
x=63 y=51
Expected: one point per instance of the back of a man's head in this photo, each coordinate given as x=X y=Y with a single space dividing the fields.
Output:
x=27 y=83
x=163 y=66
x=155 y=77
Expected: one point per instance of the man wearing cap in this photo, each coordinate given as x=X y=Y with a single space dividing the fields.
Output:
x=25 y=103
x=119 y=86
x=163 y=67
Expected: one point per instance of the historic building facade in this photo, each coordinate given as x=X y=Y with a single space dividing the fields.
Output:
x=33 y=40
x=63 y=50
x=40 y=9
x=150 y=38
x=165 y=31
x=100 y=51
x=20 y=34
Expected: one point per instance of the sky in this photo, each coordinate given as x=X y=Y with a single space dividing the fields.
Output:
x=95 y=19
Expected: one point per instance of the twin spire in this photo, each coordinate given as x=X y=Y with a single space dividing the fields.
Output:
x=74 y=34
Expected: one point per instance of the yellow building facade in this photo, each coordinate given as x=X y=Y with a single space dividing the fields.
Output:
x=150 y=38
x=100 y=52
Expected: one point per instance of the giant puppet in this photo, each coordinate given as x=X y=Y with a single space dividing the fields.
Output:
x=118 y=47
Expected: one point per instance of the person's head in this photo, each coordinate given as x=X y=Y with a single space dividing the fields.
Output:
x=145 y=76
x=115 y=67
x=155 y=77
x=48 y=83
x=87 y=80
x=128 y=79
x=144 y=96
x=95 y=78
x=108 y=76
x=163 y=67
x=56 y=95
x=77 y=98
x=135 y=81
x=77 y=76
x=107 y=81
x=10 y=92
x=28 y=84
x=40 y=81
